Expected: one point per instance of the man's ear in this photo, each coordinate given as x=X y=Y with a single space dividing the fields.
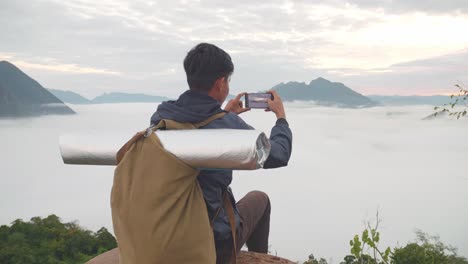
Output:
x=218 y=85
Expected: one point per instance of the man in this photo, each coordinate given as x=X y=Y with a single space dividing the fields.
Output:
x=209 y=70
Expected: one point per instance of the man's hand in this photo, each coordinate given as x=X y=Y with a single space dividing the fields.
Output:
x=276 y=105
x=236 y=106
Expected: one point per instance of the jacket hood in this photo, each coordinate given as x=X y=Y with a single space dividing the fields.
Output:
x=191 y=107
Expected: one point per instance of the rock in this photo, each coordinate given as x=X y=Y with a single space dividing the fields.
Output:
x=252 y=257
x=109 y=257
x=112 y=257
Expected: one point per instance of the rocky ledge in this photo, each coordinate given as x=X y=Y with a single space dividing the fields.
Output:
x=112 y=257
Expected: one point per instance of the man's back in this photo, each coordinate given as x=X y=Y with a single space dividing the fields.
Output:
x=209 y=69
x=194 y=107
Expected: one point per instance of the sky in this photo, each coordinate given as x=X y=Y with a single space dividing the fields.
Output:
x=385 y=47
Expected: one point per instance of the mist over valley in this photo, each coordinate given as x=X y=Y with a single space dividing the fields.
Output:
x=346 y=165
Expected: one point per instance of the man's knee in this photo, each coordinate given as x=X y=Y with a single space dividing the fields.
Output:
x=262 y=198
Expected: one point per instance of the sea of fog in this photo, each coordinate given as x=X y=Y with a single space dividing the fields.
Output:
x=346 y=165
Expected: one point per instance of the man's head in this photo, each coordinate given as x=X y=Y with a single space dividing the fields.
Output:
x=208 y=70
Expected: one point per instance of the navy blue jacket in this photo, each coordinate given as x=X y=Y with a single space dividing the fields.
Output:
x=193 y=107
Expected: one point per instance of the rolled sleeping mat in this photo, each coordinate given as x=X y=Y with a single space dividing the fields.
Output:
x=233 y=149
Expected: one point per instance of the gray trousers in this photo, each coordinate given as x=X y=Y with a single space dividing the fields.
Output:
x=254 y=210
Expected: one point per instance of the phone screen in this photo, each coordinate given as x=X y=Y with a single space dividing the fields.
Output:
x=257 y=100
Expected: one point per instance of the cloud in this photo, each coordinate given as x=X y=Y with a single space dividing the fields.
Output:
x=429 y=6
x=6 y=56
x=63 y=68
x=436 y=75
x=146 y=41
x=455 y=62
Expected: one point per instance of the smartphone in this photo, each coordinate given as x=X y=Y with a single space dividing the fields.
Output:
x=257 y=100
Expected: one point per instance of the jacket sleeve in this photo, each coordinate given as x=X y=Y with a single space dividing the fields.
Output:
x=280 y=139
x=281 y=145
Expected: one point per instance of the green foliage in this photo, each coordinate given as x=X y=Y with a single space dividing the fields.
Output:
x=369 y=238
x=312 y=260
x=426 y=250
x=460 y=99
x=49 y=241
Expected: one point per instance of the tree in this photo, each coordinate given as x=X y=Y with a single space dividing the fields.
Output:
x=312 y=260
x=49 y=241
x=427 y=250
x=370 y=237
x=460 y=99
x=105 y=240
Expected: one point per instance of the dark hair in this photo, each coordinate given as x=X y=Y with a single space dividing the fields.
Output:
x=204 y=64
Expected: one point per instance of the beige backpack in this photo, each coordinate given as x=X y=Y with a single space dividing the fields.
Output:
x=158 y=210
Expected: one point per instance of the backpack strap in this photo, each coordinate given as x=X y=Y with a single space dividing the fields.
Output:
x=209 y=120
x=232 y=222
x=174 y=125
x=169 y=124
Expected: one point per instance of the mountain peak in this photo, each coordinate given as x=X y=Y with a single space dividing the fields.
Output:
x=8 y=68
x=319 y=80
x=294 y=82
x=7 y=63
x=20 y=95
x=324 y=92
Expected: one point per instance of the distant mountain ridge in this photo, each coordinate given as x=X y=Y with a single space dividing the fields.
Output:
x=323 y=92
x=107 y=98
x=22 y=96
x=70 y=97
x=399 y=100
x=127 y=98
x=320 y=90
